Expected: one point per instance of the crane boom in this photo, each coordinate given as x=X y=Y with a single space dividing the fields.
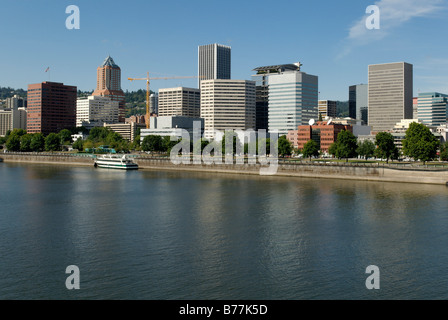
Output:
x=147 y=89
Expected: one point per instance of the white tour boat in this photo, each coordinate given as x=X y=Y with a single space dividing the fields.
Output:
x=115 y=162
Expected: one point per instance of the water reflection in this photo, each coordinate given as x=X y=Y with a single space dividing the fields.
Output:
x=183 y=235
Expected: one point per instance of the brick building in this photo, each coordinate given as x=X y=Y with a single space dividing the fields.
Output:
x=321 y=132
x=108 y=84
x=51 y=107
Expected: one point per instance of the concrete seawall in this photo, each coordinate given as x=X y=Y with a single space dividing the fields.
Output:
x=343 y=171
x=371 y=172
x=47 y=158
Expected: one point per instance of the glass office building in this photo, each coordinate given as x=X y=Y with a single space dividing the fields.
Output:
x=357 y=102
x=432 y=108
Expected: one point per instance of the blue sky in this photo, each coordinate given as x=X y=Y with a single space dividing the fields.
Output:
x=161 y=37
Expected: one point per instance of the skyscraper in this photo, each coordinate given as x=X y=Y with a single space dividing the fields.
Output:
x=213 y=62
x=292 y=96
x=16 y=102
x=227 y=105
x=108 y=84
x=389 y=95
x=262 y=101
x=51 y=107
x=432 y=108
x=94 y=111
x=327 y=108
x=357 y=102
x=180 y=101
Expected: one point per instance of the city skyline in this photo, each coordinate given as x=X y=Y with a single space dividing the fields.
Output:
x=328 y=38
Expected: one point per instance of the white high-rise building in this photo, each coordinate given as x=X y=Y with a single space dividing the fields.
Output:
x=11 y=119
x=179 y=101
x=227 y=105
x=293 y=98
x=214 y=62
x=94 y=111
x=15 y=102
x=154 y=103
x=389 y=95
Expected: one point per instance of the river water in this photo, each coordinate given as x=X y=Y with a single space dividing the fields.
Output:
x=182 y=235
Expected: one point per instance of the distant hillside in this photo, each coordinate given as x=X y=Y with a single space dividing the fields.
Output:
x=7 y=92
x=133 y=97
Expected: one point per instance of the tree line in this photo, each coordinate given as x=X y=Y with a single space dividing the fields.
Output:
x=419 y=143
x=20 y=140
x=156 y=143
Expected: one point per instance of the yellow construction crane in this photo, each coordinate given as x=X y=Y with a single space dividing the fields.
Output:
x=147 y=90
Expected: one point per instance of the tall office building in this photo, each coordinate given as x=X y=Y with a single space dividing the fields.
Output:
x=154 y=103
x=389 y=95
x=11 y=119
x=51 y=107
x=292 y=96
x=227 y=105
x=262 y=101
x=415 y=108
x=108 y=84
x=358 y=102
x=94 y=111
x=327 y=108
x=432 y=108
x=180 y=101
x=213 y=62
x=16 y=102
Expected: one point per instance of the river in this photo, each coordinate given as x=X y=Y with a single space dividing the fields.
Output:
x=183 y=235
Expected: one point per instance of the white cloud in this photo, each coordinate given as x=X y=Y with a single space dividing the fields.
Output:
x=393 y=13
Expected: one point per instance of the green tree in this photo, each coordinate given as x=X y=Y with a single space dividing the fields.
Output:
x=346 y=145
x=122 y=146
x=236 y=141
x=152 y=143
x=13 y=142
x=333 y=149
x=284 y=146
x=79 y=145
x=199 y=145
x=419 y=143
x=167 y=144
x=66 y=136
x=444 y=152
x=385 y=145
x=136 y=144
x=37 y=142
x=366 y=149
x=98 y=134
x=310 y=149
x=25 y=142
x=113 y=138
x=2 y=140
x=53 y=142
x=19 y=132
x=88 y=144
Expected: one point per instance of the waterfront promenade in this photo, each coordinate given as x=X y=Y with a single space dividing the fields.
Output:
x=395 y=172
